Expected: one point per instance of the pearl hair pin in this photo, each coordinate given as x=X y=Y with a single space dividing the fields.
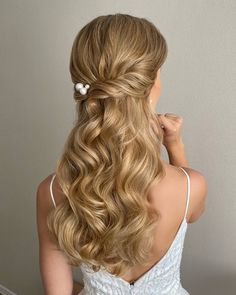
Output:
x=81 y=88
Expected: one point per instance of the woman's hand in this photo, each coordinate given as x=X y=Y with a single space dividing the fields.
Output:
x=171 y=126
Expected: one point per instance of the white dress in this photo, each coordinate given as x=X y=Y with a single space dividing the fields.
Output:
x=162 y=278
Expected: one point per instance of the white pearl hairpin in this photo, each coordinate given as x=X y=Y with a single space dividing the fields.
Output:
x=81 y=88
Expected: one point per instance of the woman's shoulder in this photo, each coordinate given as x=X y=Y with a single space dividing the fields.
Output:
x=44 y=194
x=196 y=176
x=198 y=190
x=173 y=188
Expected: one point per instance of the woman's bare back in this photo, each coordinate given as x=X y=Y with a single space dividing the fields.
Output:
x=169 y=197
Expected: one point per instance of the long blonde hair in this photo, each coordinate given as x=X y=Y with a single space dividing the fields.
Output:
x=112 y=154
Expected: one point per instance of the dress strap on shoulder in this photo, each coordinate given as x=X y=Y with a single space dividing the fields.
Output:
x=188 y=191
x=51 y=193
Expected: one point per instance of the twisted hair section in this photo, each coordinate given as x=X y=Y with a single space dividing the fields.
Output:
x=111 y=155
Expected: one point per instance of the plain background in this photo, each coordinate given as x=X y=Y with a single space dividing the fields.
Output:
x=37 y=113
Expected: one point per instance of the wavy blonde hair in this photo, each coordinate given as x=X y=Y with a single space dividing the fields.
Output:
x=112 y=154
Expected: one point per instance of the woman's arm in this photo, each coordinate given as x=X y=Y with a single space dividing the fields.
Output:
x=177 y=154
x=56 y=273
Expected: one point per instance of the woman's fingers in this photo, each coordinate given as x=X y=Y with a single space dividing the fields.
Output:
x=171 y=117
x=171 y=130
x=168 y=125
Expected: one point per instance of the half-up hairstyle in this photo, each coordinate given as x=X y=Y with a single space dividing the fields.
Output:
x=112 y=154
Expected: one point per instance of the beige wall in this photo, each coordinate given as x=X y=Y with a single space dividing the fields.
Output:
x=37 y=112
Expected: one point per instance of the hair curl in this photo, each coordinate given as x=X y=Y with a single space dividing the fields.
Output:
x=112 y=154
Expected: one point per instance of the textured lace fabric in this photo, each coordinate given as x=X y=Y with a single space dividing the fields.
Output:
x=162 y=278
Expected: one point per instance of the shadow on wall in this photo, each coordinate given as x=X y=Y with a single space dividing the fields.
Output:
x=224 y=284
x=77 y=275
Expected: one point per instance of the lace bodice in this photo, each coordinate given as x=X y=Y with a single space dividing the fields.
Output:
x=162 y=278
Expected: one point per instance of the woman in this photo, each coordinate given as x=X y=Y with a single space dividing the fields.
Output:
x=113 y=206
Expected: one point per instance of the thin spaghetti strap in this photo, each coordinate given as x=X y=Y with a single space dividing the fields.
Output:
x=51 y=193
x=188 y=191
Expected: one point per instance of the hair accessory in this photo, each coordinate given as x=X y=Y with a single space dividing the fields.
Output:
x=81 y=88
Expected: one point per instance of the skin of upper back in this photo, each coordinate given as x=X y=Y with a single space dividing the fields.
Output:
x=168 y=197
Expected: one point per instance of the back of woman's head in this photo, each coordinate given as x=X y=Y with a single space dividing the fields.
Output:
x=112 y=154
